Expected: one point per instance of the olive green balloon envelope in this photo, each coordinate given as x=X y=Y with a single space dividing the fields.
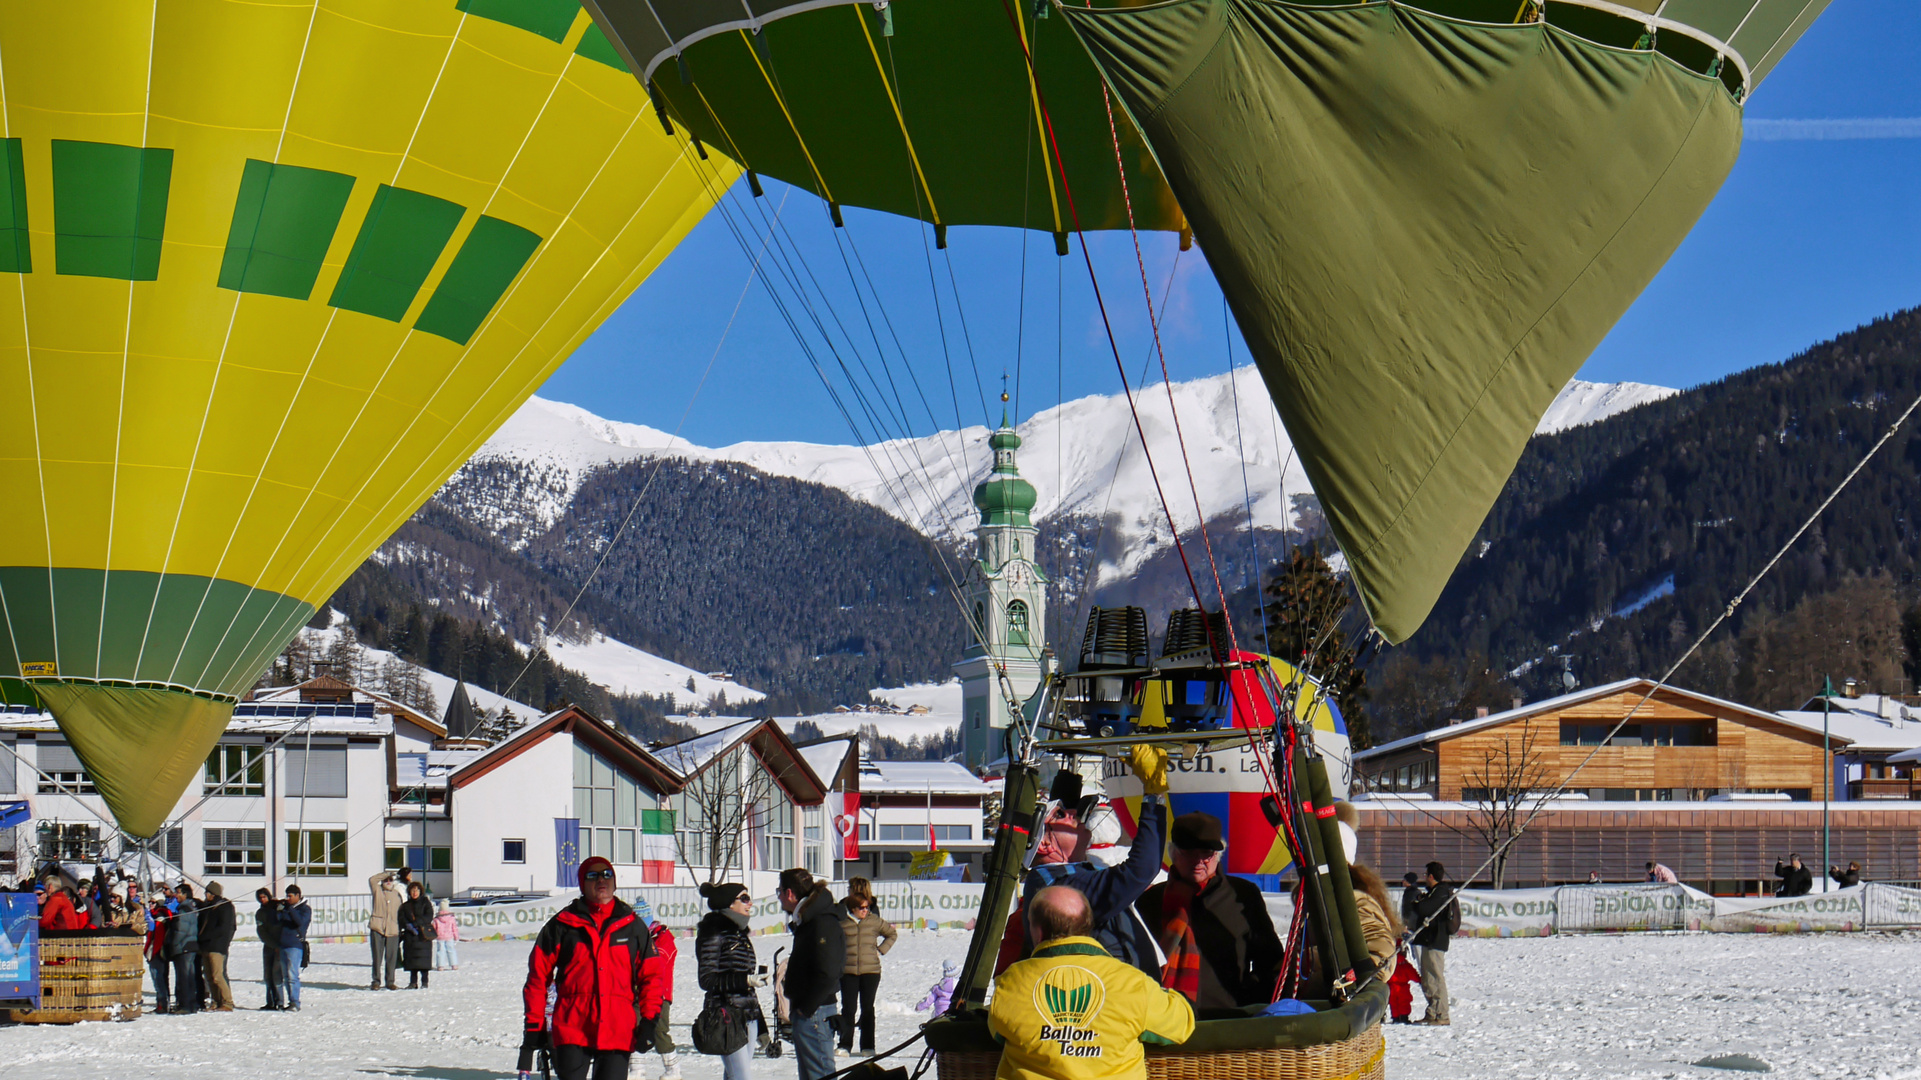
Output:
x=1423 y=226
x=136 y=742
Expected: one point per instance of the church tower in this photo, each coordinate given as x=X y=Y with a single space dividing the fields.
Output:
x=1007 y=606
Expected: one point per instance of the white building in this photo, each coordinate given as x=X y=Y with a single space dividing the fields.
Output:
x=1874 y=736
x=523 y=814
x=748 y=807
x=302 y=788
x=1007 y=601
x=325 y=785
x=913 y=806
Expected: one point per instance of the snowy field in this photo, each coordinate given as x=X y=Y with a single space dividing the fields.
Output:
x=1811 y=1005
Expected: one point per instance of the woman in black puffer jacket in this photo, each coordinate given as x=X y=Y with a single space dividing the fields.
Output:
x=728 y=966
x=417 y=937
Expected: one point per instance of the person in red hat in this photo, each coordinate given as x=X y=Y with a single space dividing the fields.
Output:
x=594 y=953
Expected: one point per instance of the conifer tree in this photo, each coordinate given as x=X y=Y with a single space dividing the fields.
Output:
x=1307 y=607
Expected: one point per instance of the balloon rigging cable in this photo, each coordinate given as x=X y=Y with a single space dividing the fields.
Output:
x=560 y=624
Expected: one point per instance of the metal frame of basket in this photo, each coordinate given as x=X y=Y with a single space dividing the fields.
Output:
x=87 y=978
x=1363 y=1057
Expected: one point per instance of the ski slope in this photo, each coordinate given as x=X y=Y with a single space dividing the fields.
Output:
x=614 y=665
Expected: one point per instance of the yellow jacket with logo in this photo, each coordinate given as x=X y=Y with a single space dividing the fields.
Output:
x=1072 y=1012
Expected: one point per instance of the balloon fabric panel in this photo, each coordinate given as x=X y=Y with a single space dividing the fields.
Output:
x=1422 y=226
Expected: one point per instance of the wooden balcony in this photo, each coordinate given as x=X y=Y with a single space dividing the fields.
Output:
x=1894 y=787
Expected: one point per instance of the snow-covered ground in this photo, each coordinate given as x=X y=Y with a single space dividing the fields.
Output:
x=1083 y=457
x=1828 y=1005
x=614 y=664
x=623 y=669
x=943 y=702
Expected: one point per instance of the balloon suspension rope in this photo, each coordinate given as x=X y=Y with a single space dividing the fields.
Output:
x=535 y=653
x=1180 y=439
x=1727 y=612
x=1100 y=302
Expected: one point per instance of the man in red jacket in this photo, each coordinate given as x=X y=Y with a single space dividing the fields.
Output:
x=57 y=911
x=607 y=997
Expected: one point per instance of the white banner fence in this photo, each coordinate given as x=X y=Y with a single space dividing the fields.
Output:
x=1627 y=908
x=920 y=905
x=924 y=905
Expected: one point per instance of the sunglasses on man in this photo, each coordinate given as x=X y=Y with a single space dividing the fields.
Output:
x=597 y=875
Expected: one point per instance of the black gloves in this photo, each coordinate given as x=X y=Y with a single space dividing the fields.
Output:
x=536 y=1039
x=644 y=1036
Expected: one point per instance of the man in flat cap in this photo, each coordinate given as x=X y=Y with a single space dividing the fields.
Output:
x=1221 y=947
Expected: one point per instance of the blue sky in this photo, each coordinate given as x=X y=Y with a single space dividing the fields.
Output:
x=1809 y=238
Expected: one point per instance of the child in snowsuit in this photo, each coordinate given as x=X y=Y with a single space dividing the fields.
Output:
x=1400 y=993
x=662 y=962
x=942 y=993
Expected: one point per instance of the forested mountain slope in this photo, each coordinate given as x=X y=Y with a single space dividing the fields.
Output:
x=1619 y=541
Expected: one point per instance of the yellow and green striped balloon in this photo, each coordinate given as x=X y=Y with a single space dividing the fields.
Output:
x=269 y=272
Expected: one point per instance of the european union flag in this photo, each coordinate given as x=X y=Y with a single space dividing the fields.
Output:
x=566 y=852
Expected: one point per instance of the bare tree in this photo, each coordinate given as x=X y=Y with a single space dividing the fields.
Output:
x=724 y=806
x=1506 y=786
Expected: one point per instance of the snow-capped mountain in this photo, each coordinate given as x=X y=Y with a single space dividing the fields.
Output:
x=1083 y=457
x=1585 y=402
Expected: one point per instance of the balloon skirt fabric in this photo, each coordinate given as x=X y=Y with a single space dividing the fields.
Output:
x=1423 y=227
x=268 y=275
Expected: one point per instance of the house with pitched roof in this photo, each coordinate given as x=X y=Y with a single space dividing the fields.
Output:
x=1625 y=774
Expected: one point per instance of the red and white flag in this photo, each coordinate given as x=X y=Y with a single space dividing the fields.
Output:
x=847 y=823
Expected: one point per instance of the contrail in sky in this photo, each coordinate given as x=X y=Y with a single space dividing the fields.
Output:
x=1867 y=127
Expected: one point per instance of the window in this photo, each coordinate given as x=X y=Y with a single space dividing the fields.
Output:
x=235 y=850
x=317 y=772
x=513 y=851
x=915 y=833
x=64 y=773
x=414 y=857
x=608 y=804
x=68 y=843
x=773 y=826
x=236 y=770
x=317 y=852
x=810 y=823
x=1017 y=622
x=1684 y=734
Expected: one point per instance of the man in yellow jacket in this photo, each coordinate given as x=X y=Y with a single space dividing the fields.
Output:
x=1071 y=1011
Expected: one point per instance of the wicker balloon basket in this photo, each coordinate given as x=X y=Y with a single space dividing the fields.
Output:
x=91 y=977
x=1362 y=1057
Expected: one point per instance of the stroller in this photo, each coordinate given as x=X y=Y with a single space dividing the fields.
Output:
x=770 y=1043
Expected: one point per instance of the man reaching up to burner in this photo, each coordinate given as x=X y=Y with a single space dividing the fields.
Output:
x=1071 y=1011
x=1061 y=859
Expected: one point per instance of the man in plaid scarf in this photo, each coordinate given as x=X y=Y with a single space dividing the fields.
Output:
x=1221 y=947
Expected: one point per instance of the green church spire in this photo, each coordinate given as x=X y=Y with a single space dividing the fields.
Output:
x=1004 y=498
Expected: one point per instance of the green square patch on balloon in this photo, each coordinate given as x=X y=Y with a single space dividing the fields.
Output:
x=283 y=222
x=488 y=262
x=399 y=241
x=109 y=209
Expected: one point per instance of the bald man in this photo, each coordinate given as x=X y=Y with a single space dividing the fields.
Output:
x=1073 y=1012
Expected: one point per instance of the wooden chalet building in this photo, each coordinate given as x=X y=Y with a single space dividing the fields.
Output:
x=1713 y=789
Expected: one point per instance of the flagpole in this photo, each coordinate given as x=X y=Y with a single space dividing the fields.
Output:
x=1827 y=777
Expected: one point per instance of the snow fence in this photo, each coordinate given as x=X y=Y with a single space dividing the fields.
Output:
x=1626 y=908
x=1484 y=913
x=919 y=905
